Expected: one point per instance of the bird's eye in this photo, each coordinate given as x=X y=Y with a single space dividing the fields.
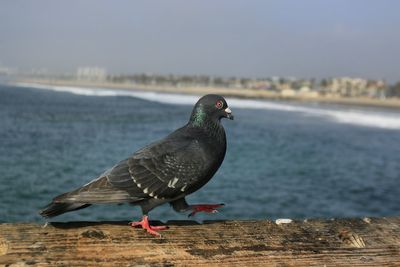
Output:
x=219 y=104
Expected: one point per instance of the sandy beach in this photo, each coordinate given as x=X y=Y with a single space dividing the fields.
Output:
x=228 y=92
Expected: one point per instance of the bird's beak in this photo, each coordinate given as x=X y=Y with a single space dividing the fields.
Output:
x=228 y=113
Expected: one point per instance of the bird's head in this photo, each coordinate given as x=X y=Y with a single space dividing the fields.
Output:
x=210 y=107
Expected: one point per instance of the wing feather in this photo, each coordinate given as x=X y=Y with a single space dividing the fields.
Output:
x=171 y=167
x=97 y=191
x=161 y=170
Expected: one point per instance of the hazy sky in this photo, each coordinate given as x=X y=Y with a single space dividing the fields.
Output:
x=302 y=38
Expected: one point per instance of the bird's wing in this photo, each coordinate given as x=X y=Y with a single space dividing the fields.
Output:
x=161 y=170
x=99 y=190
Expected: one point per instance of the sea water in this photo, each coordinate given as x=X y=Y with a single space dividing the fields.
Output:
x=284 y=159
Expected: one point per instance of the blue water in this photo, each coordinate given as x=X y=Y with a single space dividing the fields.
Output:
x=284 y=161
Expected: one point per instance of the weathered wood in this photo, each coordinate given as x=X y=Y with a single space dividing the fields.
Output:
x=343 y=242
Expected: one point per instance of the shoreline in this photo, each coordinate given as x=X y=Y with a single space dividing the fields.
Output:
x=227 y=92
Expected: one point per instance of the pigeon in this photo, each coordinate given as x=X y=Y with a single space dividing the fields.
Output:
x=165 y=171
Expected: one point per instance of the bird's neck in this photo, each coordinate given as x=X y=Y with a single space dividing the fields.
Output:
x=198 y=117
x=209 y=127
x=203 y=122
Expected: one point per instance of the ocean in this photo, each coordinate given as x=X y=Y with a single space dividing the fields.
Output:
x=284 y=159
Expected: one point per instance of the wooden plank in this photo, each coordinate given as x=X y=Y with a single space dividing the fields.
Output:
x=341 y=242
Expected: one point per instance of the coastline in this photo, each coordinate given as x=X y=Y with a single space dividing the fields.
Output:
x=227 y=92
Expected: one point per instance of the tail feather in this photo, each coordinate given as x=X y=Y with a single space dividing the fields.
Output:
x=55 y=209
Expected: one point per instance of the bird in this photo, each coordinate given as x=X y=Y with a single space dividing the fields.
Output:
x=165 y=171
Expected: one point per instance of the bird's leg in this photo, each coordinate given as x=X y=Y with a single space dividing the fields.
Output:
x=144 y=223
x=211 y=208
x=180 y=205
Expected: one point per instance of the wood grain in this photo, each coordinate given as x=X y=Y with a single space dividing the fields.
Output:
x=342 y=242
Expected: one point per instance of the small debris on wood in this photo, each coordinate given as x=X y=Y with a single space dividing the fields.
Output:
x=352 y=239
x=283 y=221
x=367 y=220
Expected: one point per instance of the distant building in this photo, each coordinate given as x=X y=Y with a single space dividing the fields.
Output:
x=91 y=74
x=288 y=92
x=354 y=87
x=6 y=71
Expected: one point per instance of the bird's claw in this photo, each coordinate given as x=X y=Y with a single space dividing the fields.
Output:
x=210 y=208
x=144 y=223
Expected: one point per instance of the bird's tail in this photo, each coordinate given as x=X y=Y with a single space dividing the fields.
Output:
x=55 y=208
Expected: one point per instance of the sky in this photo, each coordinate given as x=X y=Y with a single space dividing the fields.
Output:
x=298 y=38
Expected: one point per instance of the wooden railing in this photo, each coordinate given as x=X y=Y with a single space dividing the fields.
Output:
x=336 y=242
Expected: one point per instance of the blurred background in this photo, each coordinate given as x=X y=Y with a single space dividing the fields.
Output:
x=314 y=86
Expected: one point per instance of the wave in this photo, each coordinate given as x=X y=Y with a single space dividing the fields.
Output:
x=386 y=120
x=377 y=119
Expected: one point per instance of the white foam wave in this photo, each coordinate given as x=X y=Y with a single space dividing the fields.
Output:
x=168 y=98
x=386 y=120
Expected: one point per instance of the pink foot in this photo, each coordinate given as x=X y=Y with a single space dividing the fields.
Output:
x=144 y=223
x=211 y=208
